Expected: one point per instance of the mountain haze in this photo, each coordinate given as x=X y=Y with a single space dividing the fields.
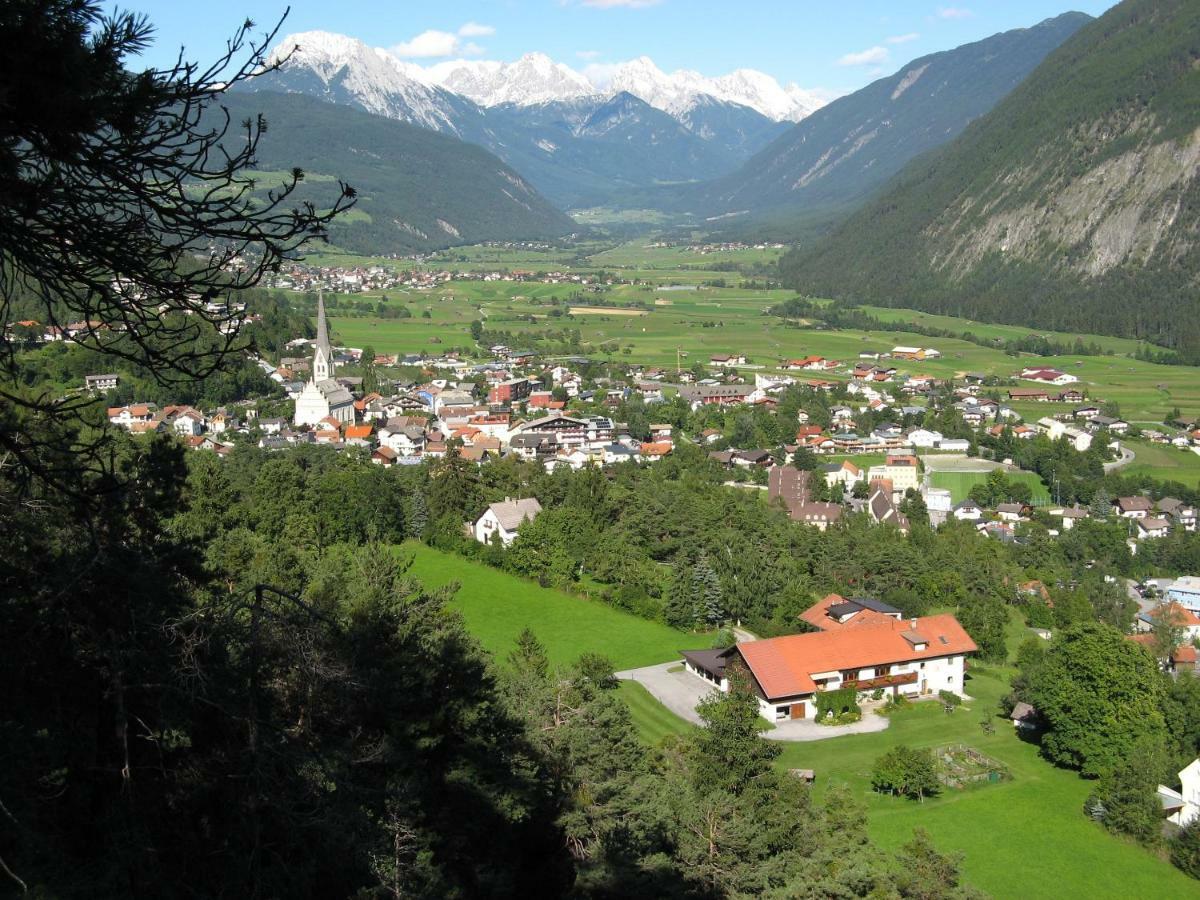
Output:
x=418 y=190
x=1074 y=205
x=833 y=159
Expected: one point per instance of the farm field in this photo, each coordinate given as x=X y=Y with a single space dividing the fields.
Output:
x=1163 y=462
x=960 y=483
x=497 y=606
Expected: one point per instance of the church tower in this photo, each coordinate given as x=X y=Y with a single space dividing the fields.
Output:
x=322 y=363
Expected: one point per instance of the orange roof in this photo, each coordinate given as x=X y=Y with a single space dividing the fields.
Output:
x=1180 y=616
x=658 y=448
x=784 y=666
x=817 y=615
x=1185 y=653
x=359 y=431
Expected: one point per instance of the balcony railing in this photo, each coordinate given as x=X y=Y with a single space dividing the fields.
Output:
x=869 y=684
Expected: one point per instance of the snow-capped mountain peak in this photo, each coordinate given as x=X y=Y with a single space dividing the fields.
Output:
x=533 y=79
x=377 y=77
x=377 y=80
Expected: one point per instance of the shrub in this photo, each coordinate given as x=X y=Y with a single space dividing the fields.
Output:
x=950 y=699
x=833 y=704
x=1185 y=849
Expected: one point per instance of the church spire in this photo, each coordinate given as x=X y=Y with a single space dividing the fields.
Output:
x=322 y=364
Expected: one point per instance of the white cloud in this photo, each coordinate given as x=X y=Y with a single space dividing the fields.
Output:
x=903 y=38
x=588 y=54
x=954 y=12
x=870 y=56
x=474 y=29
x=434 y=43
x=612 y=4
x=600 y=74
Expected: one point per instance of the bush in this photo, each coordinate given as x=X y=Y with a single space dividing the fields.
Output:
x=895 y=702
x=950 y=699
x=906 y=771
x=1185 y=849
x=834 y=704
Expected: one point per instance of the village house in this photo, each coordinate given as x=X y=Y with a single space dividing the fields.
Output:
x=127 y=416
x=1047 y=376
x=1181 y=515
x=1183 y=806
x=845 y=473
x=1178 y=616
x=913 y=658
x=505 y=519
x=1134 y=507
x=101 y=382
x=1151 y=527
x=728 y=360
x=1185 y=591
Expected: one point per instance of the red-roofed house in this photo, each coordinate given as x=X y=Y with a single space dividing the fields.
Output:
x=835 y=612
x=912 y=657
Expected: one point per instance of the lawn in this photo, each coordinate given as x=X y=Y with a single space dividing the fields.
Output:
x=497 y=606
x=960 y=483
x=1025 y=838
x=652 y=720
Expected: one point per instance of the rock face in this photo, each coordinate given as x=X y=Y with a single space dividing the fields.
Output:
x=1075 y=204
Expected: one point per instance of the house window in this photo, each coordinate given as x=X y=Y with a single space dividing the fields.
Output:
x=782 y=712
x=922 y=665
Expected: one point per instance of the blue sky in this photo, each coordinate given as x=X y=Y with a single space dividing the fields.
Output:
x=836 y=47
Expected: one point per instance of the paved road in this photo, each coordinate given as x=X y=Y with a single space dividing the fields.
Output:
x=680 y=691
x=1127 y=456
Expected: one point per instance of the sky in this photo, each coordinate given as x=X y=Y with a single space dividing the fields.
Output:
x=829 y=47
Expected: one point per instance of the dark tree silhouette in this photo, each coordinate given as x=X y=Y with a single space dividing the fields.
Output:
x=127 y=206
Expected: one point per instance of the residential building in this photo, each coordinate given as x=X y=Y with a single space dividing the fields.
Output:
x=913 y=658
x=1134 y=507
x=1183 y=806
x=1185 y=591
x=845 y=473
x=100 y=382
x=505 y=518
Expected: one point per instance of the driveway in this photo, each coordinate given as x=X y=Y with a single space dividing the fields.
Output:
x=680 y=691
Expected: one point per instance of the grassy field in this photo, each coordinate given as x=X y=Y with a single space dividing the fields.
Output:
x=497 y=606
x=1163 y=461
x=960 y=483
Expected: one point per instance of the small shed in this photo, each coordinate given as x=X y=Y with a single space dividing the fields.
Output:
x=1024 y=716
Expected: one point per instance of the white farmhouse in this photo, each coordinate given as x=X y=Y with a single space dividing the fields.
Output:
x=1183 y=806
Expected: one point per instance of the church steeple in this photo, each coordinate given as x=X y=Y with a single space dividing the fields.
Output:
x=322 y=364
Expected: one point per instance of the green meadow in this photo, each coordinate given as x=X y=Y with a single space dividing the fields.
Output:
x=497 y=607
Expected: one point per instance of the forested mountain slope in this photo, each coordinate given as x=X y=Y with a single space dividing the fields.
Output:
x=1074 y=205
x=418 y=189
x=829 y=162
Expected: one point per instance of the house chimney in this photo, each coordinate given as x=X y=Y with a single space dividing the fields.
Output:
x=913 y=624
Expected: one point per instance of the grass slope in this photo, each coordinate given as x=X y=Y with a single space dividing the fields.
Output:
x=497 y=606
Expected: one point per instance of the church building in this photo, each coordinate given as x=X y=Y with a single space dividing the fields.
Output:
x=323 y=396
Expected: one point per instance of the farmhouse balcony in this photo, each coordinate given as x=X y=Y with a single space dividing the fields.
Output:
x=869 y=684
